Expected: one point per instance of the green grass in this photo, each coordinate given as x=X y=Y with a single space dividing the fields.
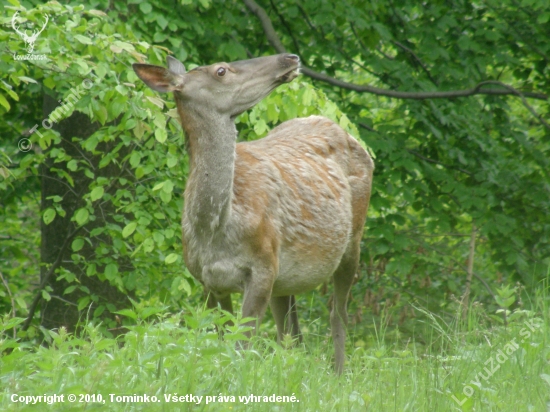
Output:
x=165 y=357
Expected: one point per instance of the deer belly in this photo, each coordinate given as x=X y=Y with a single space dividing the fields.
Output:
x=302 y=272
x=223 y=276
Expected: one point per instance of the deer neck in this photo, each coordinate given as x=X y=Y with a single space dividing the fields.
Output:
x=211 y=142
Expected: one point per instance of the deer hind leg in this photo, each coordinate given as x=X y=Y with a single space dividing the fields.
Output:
x=257 y=293
x=343 y=279
x=286 y=317
x=225 y=302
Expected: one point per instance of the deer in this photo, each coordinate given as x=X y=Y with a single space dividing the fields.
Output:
x=269 y=218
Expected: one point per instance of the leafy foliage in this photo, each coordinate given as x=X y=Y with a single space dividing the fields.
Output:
x=441 y=165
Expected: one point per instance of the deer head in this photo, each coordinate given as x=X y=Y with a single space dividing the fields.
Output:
x=226 y=88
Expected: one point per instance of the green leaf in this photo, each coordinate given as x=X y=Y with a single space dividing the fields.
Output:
x=97 y=13
x=70 y=289
x=101 y=113
x=13 y=322
x=160 y=135
x=146 y=312
x=21 y=302
x=83 y=39
x=160 y=104
x=111 y=271
x=91 y=270
x=344 y=122
x=272 y=113
x=543 y=18
x=158 y=186
x=171 y=162
x=505 y=303
x=124 y=45
x=4 y=102
x=545 y=378
x=148 y=245
x=129 y=229
x=135 y=158
x=46 y=296
x=130 y=124
x=97 y=193
x=165 y=197
x=81 y=216
x=184 y=285
x=127 y=312
x=260 y=127
x=72 y=165
x=145 y=7
x=162 y=22
x=83 y=302
x=77 y=244
x=168 y=186
x=171 y=258
x=159 y=238
x=49 y=215
x=27 y=79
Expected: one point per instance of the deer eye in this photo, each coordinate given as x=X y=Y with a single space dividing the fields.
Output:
x=221 y=71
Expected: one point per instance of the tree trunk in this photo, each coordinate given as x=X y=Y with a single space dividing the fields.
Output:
x=61 y=309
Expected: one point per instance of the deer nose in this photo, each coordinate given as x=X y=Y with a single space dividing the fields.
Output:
x=292 y=57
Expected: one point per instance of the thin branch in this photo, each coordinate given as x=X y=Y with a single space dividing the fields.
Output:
x=367 y=127
x=270 y=33
x=275 y=42
x=64 y=300
x=60 y=181
x=287 y=27
x=418 y=60
x=47 y=277
x=387 y=56
x=427 y=159
x=519 y=36
x=470 y=272
x=523 y=100
x=359 y=40
x=465 y=269
x=77 y=148
x=310 y=24
x=478 y=89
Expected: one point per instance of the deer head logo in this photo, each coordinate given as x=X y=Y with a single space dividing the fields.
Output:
x=29 y=40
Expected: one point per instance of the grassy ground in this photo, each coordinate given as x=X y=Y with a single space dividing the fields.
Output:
x=461 y=366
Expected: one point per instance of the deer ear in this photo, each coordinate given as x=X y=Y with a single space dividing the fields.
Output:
x=157 y=78
x=174 y=65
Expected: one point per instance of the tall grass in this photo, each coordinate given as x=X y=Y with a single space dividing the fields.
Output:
x=460 y=365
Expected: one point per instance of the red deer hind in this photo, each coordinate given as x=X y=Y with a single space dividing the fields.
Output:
x=273 y=217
